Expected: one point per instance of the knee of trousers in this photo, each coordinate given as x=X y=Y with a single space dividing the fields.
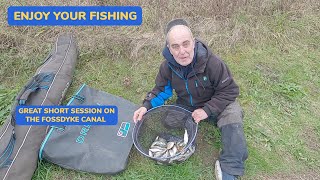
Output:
x=233 y=113
x=234 y=141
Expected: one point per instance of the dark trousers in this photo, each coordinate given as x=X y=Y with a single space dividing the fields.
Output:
x=234 y=148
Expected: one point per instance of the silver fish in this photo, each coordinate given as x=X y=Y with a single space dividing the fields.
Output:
x=175 y=150
x=170 y=145
x=153 y=150
x=180 y=146
x=172 y=151
x=166 y=154
x=158 y=143
x=159 y=154
x=162 y=140
x=185 y=137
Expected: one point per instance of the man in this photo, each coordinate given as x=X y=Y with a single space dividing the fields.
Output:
x=205 y=86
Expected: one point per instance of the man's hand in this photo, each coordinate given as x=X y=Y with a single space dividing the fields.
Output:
x=138 y=114
x=199 y=115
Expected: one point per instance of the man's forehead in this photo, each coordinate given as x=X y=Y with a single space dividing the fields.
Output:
x=179 y=33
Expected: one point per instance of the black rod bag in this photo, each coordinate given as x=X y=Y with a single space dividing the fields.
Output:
x=19 y=145
x=99 y=149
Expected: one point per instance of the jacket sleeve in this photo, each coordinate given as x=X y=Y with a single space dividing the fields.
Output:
x=226 y=89
x=162 y=90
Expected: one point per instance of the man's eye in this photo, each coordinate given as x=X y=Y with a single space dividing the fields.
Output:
x=186 y=44
x=175 y=47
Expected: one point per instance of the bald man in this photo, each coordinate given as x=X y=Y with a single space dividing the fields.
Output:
x=204 y=85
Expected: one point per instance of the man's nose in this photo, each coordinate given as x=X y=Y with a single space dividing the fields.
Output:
x=182 y=50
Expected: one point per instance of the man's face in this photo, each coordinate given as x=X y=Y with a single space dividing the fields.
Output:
x=181 y=44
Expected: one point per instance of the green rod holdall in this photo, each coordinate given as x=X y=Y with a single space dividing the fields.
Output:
x=19 y=145
x=102 y=149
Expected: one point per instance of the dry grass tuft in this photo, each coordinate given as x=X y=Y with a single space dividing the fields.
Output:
x=210 y=20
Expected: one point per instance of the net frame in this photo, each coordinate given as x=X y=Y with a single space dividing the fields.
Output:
x=166 y=160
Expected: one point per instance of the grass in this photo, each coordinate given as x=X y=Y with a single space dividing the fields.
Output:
x=271 y=48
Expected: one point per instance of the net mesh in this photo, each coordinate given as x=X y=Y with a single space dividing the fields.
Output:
x=168 y=122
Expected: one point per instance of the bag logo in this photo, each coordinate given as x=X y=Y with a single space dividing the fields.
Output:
x=124 y=129
x=83 y=133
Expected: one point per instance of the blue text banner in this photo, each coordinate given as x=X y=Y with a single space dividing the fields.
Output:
x=66 y=115
x=74 y=15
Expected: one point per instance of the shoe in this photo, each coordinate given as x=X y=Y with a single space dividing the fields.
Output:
x=220 y=175
x=218 y=171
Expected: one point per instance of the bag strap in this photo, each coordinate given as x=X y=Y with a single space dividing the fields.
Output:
x=35 y=85
x=4 y=157
x=32 y=86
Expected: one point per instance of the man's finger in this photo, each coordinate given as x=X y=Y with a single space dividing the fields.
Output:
x=196 y=120
x=135 y=116
x=140 y=116
x=193 y=114
x=135 y=120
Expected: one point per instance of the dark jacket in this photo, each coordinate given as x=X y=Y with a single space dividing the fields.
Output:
x=209 y=84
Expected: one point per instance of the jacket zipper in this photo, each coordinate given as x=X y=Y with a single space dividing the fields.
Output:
x=186 y=83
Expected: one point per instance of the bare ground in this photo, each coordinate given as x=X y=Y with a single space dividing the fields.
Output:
x=207 y=153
